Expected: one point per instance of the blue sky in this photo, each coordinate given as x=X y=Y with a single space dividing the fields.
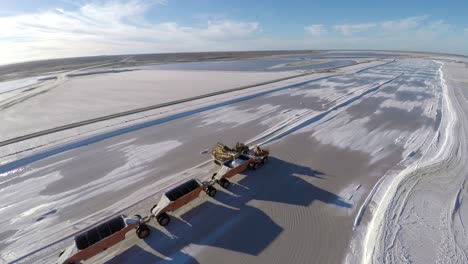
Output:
x=64 y=28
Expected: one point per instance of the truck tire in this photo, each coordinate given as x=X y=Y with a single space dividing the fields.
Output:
x=142 y=231
x=163 y=219
x=225 y=183
x=211 y=191
x=254 y=166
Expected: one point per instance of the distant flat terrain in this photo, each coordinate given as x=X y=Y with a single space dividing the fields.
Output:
x=332 y=135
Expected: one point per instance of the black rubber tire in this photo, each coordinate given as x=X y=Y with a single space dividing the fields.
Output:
x=142 y=231
x=265 y=159
x=211 y=191
x=164 y=219
x=139 y=216
x=254 y=166
x=225 y=183
x=214 y=175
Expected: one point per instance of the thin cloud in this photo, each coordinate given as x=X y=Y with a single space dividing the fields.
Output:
x=351 y=29
x=112 y=27
x=403 y=24
x=399 y=25
x=411 y=33
x=315 y=30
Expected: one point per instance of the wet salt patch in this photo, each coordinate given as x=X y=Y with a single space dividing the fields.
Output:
x=409 y=88
x=280 y=93
x=6 y=207
x=285 y=116
x=234 y=115
x=121 y=143
x=33 y=210
x=283 y=119
x=17 y=84
x=21 y=173
x=10 y=173
x=400 y=139
x=376 y=75
x=343 y=132
x=381 y=94
x=408 y=106
x=328 y=93
x=326 y=88
x=139 y=155
x=23 y=198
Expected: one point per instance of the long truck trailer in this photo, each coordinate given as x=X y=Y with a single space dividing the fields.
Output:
x=230 y=168
x=178 y=197
x=99 y=238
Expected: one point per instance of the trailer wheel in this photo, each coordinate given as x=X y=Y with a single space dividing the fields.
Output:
x=163 y=219
x=211 y=191
x=142 y=231
x=254 y=166
x=225 y=183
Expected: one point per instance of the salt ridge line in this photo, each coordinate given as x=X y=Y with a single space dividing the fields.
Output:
x=440 y=157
